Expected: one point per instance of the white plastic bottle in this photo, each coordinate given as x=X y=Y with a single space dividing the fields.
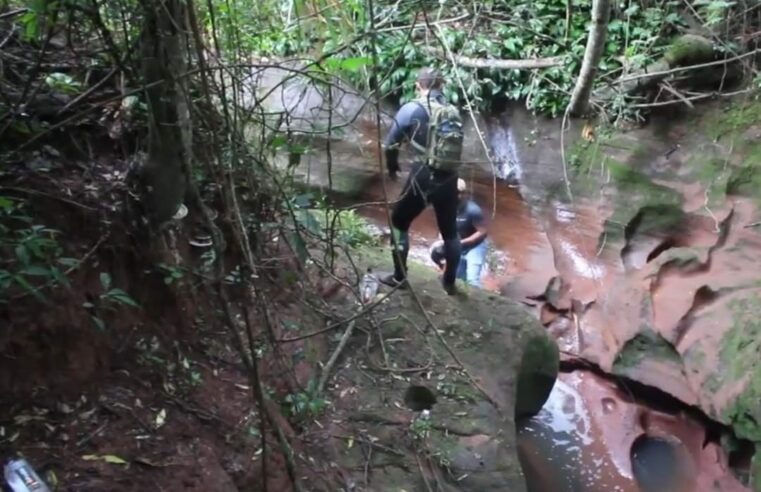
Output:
x=368 y=287
x=21 y=477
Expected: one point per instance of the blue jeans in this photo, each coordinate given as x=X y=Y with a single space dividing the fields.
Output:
x=471 y=263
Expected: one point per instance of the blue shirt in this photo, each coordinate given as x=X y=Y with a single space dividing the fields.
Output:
x=469 y=218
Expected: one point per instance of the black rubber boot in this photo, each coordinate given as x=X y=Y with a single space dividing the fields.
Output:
x=391 y=281
x=452 y=250
x=399 y=257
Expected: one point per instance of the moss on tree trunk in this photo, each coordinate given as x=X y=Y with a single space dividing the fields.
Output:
x=164 y=173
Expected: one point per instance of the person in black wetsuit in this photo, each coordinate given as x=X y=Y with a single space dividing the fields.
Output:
x=424 y=184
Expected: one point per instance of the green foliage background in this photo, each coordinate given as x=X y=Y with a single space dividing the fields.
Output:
x=517 y=29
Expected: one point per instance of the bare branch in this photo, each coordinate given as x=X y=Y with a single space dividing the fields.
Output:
x=500 y=64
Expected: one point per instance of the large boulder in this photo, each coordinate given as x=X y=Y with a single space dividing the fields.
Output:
x=302 y=107
x=437 y=402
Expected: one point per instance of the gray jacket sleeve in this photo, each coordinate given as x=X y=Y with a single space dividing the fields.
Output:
x=406 y=122
x=402 y=126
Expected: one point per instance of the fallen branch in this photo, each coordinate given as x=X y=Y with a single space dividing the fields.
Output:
x=331 y=362
x=668 y=88
x=685 y=99
x=372 y=443
x=500 y=64
x=658 y=71
x=32 y=192
x=422 y=25
x=13 y=13
x=335 y=325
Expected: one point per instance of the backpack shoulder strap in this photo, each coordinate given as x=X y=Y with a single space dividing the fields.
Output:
x=427 y=105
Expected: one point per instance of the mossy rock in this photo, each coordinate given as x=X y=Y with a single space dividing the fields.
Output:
x=538 y=371
x=689 y=49
x=739 y=362
x=659 y=218
x=756 y=469
x=646 y=344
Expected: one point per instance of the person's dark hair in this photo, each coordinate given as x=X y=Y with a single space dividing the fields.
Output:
x=430 y=78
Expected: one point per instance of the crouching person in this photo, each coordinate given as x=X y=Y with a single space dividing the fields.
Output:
x=472 y=230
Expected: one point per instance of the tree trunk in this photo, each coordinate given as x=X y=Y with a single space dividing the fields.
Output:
x=165 y=172
x=595 y=47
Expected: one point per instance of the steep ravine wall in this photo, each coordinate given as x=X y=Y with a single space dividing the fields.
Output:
x=678 y=299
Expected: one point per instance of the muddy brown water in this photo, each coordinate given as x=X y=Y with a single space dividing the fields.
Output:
x=517 y=242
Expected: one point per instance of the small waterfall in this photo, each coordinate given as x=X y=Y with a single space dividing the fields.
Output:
x=505 y=157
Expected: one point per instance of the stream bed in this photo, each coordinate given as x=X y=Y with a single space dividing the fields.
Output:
x=593 y=437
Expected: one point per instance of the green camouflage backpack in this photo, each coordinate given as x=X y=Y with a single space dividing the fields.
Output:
x=445 y=135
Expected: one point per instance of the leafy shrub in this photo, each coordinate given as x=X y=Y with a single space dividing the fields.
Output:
x=30 y=255
x=521 y=29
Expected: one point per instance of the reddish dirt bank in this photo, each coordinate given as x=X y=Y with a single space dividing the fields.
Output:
x=153 y=397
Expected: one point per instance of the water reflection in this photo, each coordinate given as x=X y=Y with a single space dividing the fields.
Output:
x=562 y=448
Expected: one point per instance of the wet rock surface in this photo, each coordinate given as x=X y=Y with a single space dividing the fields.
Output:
x=408 y=416
x=577 y=443
x=658 y=274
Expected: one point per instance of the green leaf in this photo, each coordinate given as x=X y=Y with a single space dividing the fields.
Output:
x=310 y=222
x=121 y=296
x=105 y=280
x=108 y=458
x=160 y=418
x=30 y=23
x=303 y=200
x=633 y=9
x=299 y=246
x=355 y=63
x=59 y=276
x=36 y=271
x=29 y=287
x=113 y=459
x=6 y=279
x=278 y=141
x=22 y=254
x=99 y=324
x=68 y=262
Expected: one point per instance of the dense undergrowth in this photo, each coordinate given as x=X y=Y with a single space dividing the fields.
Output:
x=95 y=116
x=409 y=36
